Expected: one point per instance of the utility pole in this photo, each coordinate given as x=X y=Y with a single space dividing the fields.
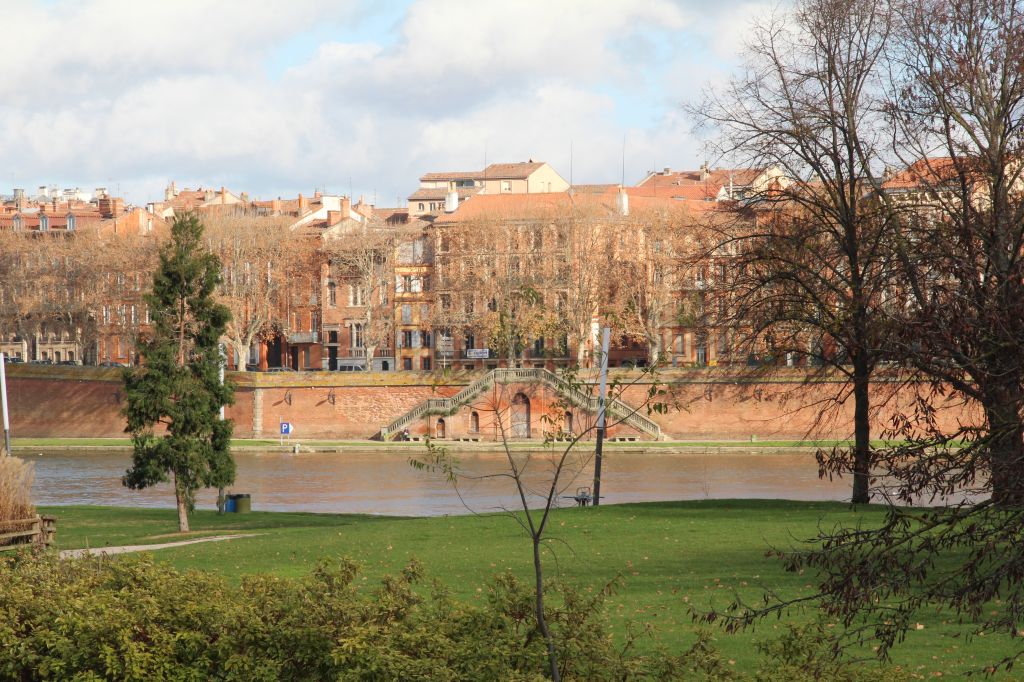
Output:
x=602 y=396
x=3 y=405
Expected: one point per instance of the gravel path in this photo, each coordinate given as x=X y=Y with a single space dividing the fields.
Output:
x=102 y=551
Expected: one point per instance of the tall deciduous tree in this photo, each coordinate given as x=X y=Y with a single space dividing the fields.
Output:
x=957 y=214
x=256 y=254
x=362 y=259
x=178 y=386
x=817 y=262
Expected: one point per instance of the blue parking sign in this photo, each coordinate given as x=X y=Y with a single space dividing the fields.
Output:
x=286 y=428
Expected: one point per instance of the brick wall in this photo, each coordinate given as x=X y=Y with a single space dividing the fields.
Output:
x=86 y=402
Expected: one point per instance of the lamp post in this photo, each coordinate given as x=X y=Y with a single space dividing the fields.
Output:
x=3 y=404
x=600 y=415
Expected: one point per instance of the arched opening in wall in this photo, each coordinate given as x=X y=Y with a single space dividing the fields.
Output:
x=474 y=422
x=520 y=416
x=384 y=366
x=567 y=424
x=439 y=430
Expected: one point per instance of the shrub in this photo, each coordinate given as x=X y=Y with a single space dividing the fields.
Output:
x=132 y=619
x=16 y=477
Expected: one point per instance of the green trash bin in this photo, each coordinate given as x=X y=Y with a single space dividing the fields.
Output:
x=243 y=503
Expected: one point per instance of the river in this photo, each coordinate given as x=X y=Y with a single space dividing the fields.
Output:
x=385 y=483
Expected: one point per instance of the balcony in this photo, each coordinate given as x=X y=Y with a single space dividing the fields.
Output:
x=361 y=352
x=296 y=338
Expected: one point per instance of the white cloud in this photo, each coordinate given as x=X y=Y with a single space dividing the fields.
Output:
x=141 y=92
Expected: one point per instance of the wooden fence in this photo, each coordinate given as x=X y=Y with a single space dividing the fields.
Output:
x=38 y=530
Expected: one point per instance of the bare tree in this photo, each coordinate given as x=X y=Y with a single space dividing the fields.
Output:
x=257 y=255
x=363 y=259
x=956 y=214
x=540 y=481
x=816 y=264
x=644 y=273
x=501 y=277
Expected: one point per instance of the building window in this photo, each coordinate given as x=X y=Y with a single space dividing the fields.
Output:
x=357 y=336
x=506 y=185
x=474 y=422
x=407 y=339
x=406 y=313
x=425 y=364
x=332 y=293
x=424 y=338
x=407 y=363
x=421 y=205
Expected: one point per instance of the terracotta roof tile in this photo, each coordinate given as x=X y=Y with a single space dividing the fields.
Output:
x=923 y=173
x=440 y=193
x=451 y=175
x=511 y=171
x=523 y=206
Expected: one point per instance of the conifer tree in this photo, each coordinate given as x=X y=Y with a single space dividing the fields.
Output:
x=178 y=384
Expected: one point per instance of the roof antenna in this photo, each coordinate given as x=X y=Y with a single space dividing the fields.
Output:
x=570 y=163
x=623 y=160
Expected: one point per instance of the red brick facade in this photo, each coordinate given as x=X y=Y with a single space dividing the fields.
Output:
x=86 y=402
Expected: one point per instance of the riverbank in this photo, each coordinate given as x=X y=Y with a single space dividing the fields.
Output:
x=672 y=556
x=30 y=445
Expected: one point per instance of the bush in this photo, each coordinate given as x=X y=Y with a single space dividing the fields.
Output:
x=133 y=619
x=16 y=477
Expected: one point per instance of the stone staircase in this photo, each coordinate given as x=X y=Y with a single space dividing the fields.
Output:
x=616 y=410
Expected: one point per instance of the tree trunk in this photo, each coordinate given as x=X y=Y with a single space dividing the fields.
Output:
x=542 y=623
x=370 y=350
x=1006 y=446
x=179 y=498
x=861 y=431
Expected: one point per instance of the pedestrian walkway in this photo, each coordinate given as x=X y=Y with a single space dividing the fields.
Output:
x=125 y=549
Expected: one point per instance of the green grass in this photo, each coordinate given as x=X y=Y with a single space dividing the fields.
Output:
x=672 y=555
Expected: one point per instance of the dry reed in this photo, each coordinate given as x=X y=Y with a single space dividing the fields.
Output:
x=16 y=477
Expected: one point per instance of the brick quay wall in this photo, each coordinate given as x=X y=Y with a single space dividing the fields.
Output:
x=712 y=404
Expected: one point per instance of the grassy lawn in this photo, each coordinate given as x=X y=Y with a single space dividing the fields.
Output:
x=671 y=555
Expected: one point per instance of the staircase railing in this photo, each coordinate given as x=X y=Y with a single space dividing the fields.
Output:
x=614 y=408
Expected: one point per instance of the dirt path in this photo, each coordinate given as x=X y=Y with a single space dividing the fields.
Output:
x=102 y=551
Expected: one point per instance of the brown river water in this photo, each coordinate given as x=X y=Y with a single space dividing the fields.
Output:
x=385 y=483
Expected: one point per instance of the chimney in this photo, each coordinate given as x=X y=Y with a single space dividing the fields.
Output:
x=104 y=206
x=333 y=218
x=451 y=202
x=208 y=195
x=704 y=171
x=622 y=202
x=303 y=204
x=275 y=206
x=346 y=207
x=223 y=195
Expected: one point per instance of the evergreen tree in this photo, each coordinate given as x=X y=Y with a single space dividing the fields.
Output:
x=178 y=385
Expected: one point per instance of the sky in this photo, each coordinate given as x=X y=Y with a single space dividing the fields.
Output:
x=352 y=96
